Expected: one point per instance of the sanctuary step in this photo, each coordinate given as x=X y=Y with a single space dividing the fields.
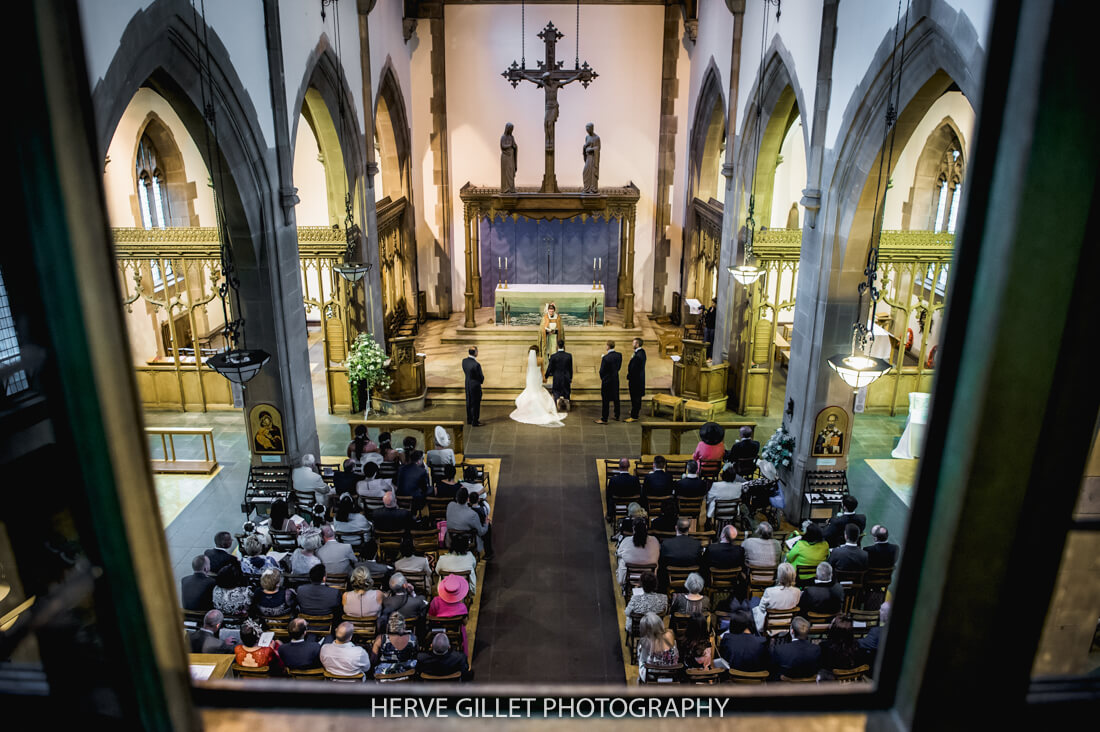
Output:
x=507 y=395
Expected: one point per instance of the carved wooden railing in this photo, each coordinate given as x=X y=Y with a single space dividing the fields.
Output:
x=677 y=430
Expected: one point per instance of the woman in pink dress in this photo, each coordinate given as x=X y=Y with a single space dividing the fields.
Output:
x=448 y=602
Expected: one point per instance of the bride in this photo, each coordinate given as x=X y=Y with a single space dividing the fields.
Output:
x=535 y=405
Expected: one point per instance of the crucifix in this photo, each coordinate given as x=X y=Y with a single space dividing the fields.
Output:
x=550 y=77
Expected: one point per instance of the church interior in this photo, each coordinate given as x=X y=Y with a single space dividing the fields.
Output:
x=568 y=373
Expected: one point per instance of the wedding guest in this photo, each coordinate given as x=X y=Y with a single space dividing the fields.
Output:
x=639 y=548
x=362 y=449
x=197 y=589
x=695 y=649
x=272 y=600
x=761 y=550
x=252 y=655
x=347 y=518
x=692 y=600
x=396 y=650
x=447 y=486
x=255 y=560
x=450 y=602
x=442 y=660
x=810 y=550
x=232 y=596
x=442 y=454
x=304 y=557
x=459 y=559
x=371 y=486
x=646 y=601
x=783 y=596
x=656 y=646
x=302 y=652
x=361 y=600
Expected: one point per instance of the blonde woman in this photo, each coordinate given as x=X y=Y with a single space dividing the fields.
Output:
x=657 y=644
x=361 y=600
x=783 y=596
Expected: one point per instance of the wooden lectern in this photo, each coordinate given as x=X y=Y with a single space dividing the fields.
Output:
x=693 y=378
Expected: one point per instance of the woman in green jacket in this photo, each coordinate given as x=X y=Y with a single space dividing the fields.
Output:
x=811 y=550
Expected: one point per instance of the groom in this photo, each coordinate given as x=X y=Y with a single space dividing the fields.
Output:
x=560 y=366
x=474 y=379
x=610 y=366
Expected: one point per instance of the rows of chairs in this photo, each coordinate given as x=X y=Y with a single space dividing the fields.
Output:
x=320 y=674
x=678 y=674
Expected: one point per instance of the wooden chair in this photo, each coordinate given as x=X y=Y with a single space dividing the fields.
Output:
x=470 y=535
x=655 y=504
x=307 y=674
x=341 y=678
x=805 y=575
x=633 y=577
x=632 y=631
x=726 y=582
x=357 y=540
x=662 y=535
x=716 y=619
x=760 y=578
x=371 y=503
x=705 y=676
x=452 y=626
x=655 y=674
x=678 y=575
x=703 y=537
x=405 y=502
x=426 y=541
x=619 y=506
x=366 y=630
x=710 y=469
x=469 y=599
x=876 y=583
x=305 y=501
x=284 y=541
x=389 y=544
x=437 y=507
x=192 y=619
x=778 y=622
x=863 y=621
x=317 y=624
x=278 y=624
x=337 y=581
x=690 y=507
x=799 y=680
x=678 y=624
x=251 y=672
x=456 y=676
x=726 y=511
x=421 y=581
x=852 y=582
x=747 y=677
x=395 y=676
x=665 y=401
x=819 y=623
x=851 y=675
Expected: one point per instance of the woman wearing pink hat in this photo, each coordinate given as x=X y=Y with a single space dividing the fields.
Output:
x=448 y=602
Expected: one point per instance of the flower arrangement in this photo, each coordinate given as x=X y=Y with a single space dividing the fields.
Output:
x=366 y=367
x=779 y=449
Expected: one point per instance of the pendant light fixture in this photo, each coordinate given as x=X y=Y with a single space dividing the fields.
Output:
x=858 y=368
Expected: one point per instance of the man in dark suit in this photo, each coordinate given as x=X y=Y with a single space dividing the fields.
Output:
x=412 y=480
x=682 y=550
x=197 y=590
x=635 y=379
x=882 y=554
x=610 y=366
x=621 y=485
x=390 y=517
x=301 y=652
x=205 y=639
x=658 y=482
x=725 y=554
x=442 y=661
x=848 y=557
x=559 y=367
x=710 y=320
x=741 y=647
x=799 y=658
x=690 y=484
x=744 y=452
x=834 y=530
x=316 y=598
x=824 y=595
x=345 y=480
x=474 y=379
x=869 y=643
x=219 y=555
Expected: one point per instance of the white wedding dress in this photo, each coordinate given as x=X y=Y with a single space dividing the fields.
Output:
x=535 y=405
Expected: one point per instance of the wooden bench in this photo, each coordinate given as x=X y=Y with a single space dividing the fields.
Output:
x=704 y=409
x=665 y=400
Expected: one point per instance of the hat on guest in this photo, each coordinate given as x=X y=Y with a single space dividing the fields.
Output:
x=442 y=439
x=453 y=588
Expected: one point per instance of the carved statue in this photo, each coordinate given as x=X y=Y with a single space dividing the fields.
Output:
x=591 y=174
x=509 y=160
x=551 y=85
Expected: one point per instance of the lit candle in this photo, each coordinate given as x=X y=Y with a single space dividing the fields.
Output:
x=498 y=262
x=593 y=263
x=601 y=262
x=506 y=263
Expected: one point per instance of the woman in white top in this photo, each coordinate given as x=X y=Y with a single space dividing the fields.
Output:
x=459 y=559
x=347 y=518
x=442 y=454
x=640 y=548
x=413 y=561
x=783 y=596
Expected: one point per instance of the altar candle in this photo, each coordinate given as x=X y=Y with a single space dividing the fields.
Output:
x=601 y=262
x=498 y=262
x=506 y=263
x=593 y=263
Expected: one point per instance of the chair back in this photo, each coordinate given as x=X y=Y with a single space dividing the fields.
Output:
x=633 y=577
x=705 y=676
x=863 y=621
x=426 y=541
x=727 y=511
x=690 y=507
x=655 y=505
x=192 y=619
x=338 y=581
x=619 y=506
x=456 y=676
x=389 y=544
x=251 y=672
x=662 y=535
x=656 y=674
x=437 y=507
x=420 y=580
x=703 y=537
x=471 y=535
x=819 y=623
x=371 y=503
x=849 y=675
x=678 y=575
x=632 y=631
x=329 y=676
x=805 y=574
x=366 y=629
x=451 y=625
x=317 y=624
x=709 y=468
x=747 y=677
x=284 y=541
x=799 y=680
x=307 y=674
x=305 y=501
x=778 y=622
x=760 y=578
x=278 y=625
x=726 y=581
x=395 y=676
x=357 y=540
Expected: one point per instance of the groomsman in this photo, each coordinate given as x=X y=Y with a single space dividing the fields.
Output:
x=474 y=379
x=610 y=366
x=560 y=367
x=635 y=379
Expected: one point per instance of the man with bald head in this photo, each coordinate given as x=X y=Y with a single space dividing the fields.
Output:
x=342 y=657
x=442 y=660
x=390 y=517
x=302 y=651
x=337 y=557
x=205 y=639
x=307 y=478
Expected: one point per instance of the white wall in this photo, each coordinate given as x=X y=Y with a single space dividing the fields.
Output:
x=790 y=177
x=678 y=190
x=309 y=178
x=388 y=44
x=623 y=103
x=424 y=196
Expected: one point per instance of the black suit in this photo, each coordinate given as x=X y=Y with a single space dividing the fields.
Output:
x=657 y=483
x=744 y=651
x=610 y=365
x=743 y=454
x=197 y=592
x=412 y=480
x=301 y=654
x=834 y=530
x=474 y=379
x=797 y=659
x=219 y=559
x=391 y=519
x=821 y=599
x=635 y=379
x=448 y=663
x=725 y=556
x=318 y=599
x=848 y=558
x=881 y=555
x=679 y=551
x=560 y=367
x=345 y=481
x=691 y=488
x=621 y=485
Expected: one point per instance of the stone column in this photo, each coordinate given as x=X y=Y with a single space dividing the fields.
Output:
x=371 y=287
x=470 y=303
x=628 y=272
x=441 y=175
x=475 y=259
x=666 y=155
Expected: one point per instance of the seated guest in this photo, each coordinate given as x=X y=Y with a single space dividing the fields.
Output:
x=761 y=550
x=301 y=652
x=881 y=554
x=220 y=555
x=869 y=643
x=255 y=560
x=447 y=486
x=809 y=551
x=449 y=601
x=459 y=559
x=481 y=507
x=691 y=600
x=690 y=484
x=460 y=517
x=232 y=595
x=834 y=530
x=413 y=480
x=305 y=557
x=251 y=654
x=337 y=557
x=667 y=520
x=390 y=517
x=396 y=650
x=648 y=600
x=681 y=550
x=745 y=448
x=348 y=518
x=848 y=557
x=705 y=452
x=342 y=657
x=205 y=639
x=408 y=445
x=386 y=449
x=658 y=482
x=442 y=661
x=783 y=596
x=635 y=511
x=345 y=481
x=638 y=548
x=656 y=646
x=695 y=649
x=413 y=560
x=621 y=484
x=798 y=659
x=729 y=488
x=272 y=601
x=403 y=600
x=320 y=516
x=197 y=589
x=362 y=600
x=362 y=450
x=824 y=595
x=371 y=486
x=278 y=519
x=839 y=650
x=317 y=598
x=725 y=554
x=442 y=454
x=307 y=478
x=741 y=647
x=471 y=480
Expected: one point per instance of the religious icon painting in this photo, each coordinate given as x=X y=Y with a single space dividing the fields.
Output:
x=265 y=424
x=830 y=433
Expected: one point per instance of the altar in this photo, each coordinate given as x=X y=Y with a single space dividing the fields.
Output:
x=578 y=305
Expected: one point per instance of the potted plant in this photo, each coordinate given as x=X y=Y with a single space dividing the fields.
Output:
x=366 y=370
x=779 y=449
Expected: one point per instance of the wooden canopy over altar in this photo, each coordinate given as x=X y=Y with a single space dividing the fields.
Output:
x=609 y=204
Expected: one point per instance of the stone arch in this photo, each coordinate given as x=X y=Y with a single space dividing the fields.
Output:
x=918 y=209
x=391 y=130
x=180 y=191
x=708 y=131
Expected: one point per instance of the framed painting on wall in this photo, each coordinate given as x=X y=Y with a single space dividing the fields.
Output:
x=265 y=424
x=830 y=433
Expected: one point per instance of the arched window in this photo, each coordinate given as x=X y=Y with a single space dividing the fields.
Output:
x=154 y=204
x=948 y=188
